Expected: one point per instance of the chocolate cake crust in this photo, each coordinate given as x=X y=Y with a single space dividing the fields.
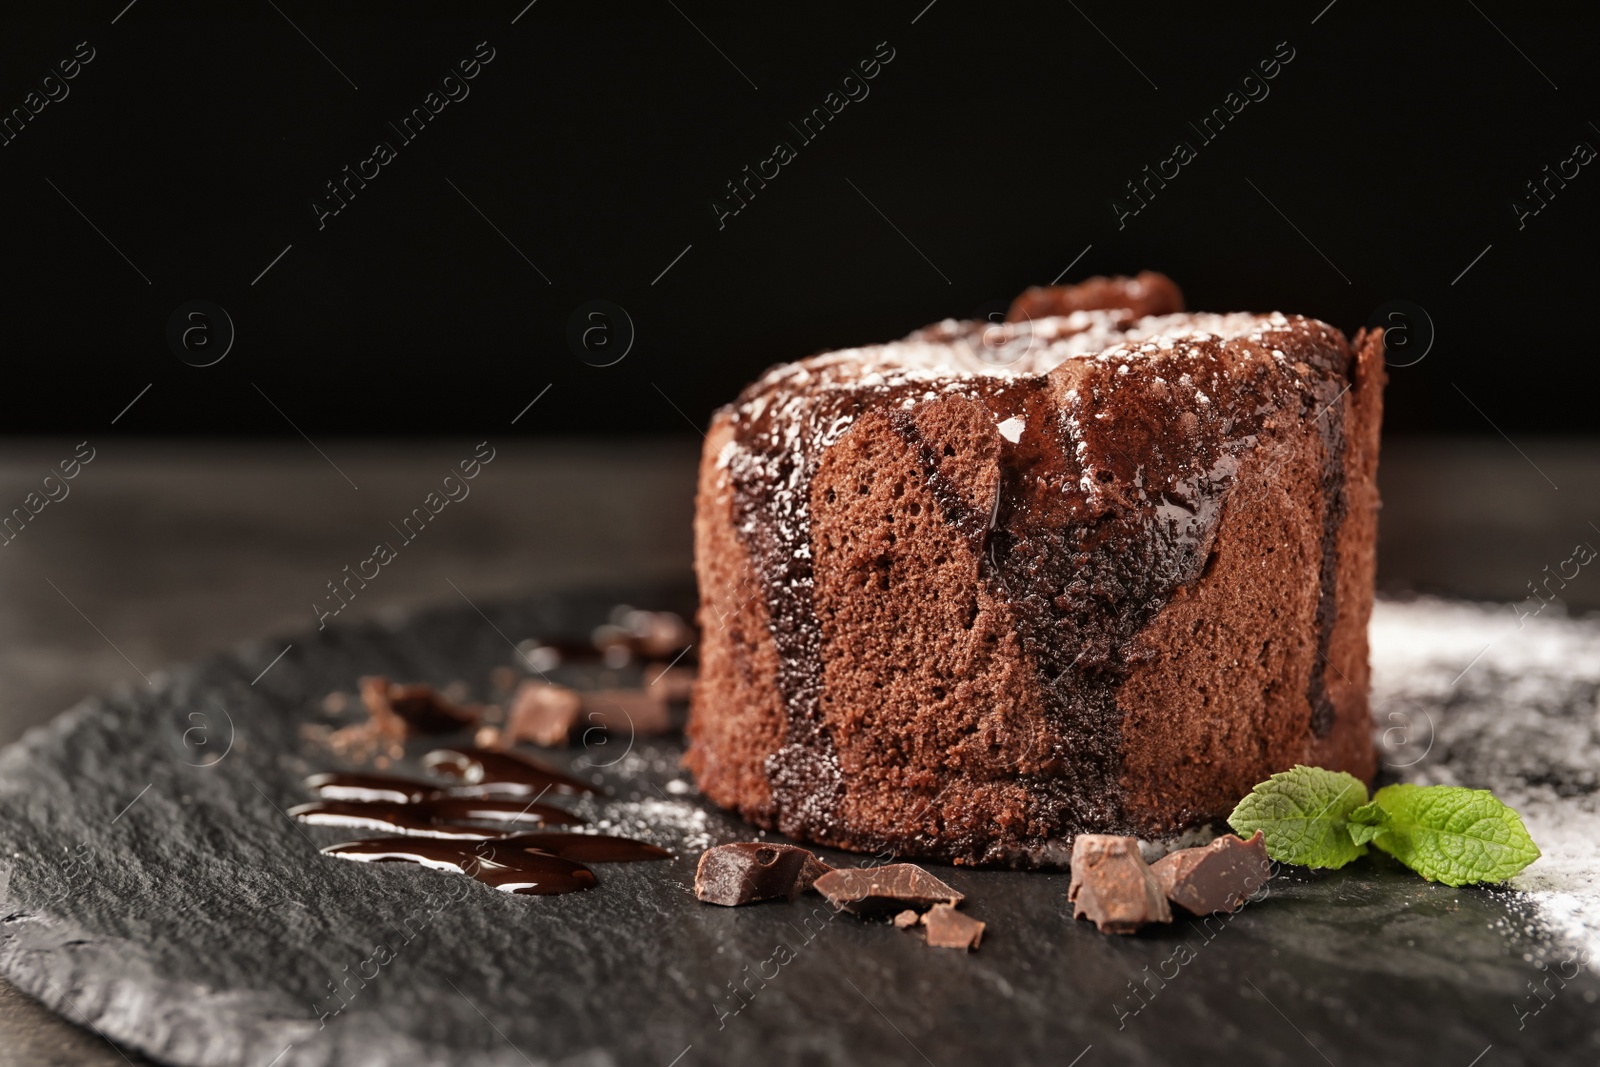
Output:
x=1091 y=575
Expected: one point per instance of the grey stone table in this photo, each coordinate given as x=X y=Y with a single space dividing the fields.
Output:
x=163 y=553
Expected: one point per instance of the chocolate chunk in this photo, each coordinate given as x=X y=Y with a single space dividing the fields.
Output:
x=543 y=713
x=907 y=918
x=876 y=890
x=749 y=871
x=1215 y=877
x=628 y=712
x=949 y=928
x=1112 y=887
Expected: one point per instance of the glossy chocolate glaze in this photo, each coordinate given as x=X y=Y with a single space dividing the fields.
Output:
x=587 y=848
x=508 y=869
x=438 y=828
x=491 y=771
x=444 y=817
x=345 y=785
x=1098 y=523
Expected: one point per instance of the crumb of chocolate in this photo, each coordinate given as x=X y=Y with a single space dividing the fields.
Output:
x=949 y=928
x=907 y=918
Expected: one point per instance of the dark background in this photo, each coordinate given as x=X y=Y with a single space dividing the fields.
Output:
x=995 y=141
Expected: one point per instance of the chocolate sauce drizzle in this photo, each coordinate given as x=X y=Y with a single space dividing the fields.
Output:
x=508 y=869
x=341 y=785
x=479 y=827
x=1330 y=423
x=435 y=817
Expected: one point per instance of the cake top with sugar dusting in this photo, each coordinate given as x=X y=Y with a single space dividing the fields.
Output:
x=955 y=353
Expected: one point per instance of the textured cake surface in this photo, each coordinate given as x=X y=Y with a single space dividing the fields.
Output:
x=971 y=593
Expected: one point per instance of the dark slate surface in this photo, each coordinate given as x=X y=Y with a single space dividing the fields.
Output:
x=199 y=926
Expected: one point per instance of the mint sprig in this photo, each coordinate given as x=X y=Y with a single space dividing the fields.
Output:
x=1321 y=818
x=1449 y=834
x=1303 y=816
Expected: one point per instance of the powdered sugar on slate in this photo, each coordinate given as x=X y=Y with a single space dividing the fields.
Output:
x=1522 y=721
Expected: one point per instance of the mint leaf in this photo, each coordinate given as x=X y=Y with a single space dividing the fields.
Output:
x=1452 y=835
x=1302 y=815
x=1367 y=822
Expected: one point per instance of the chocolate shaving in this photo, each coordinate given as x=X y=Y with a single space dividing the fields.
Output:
x=1112 y=887
x=750 y=871
x=949 y=928
x=876 y=890
x=1216 y=877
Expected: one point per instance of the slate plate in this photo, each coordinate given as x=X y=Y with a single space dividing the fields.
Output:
x=178 y=909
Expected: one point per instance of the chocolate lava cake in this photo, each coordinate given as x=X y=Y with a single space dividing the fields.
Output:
x=1101 y=568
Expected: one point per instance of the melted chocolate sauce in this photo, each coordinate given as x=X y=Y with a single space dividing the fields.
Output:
x=436 y=823
x=508 y=869
x=586 y=848
x=491 y=772
x=345 y=786
x=1330 y=423
x=442 y=817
